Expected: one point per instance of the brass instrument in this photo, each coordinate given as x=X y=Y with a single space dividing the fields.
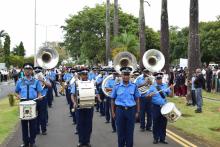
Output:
x=122 y=59
x=47 y=58
x=153 y=60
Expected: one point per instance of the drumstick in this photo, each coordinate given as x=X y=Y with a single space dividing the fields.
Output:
x=153 y=93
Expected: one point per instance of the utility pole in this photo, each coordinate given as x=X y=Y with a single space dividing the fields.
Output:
x=35 y=32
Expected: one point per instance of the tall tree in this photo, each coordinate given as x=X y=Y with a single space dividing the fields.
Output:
x=142 y=31
x=164 y=36
x=21 y=51
x=7 y=49
x=194 y=59
x=108 y=32
x=116 y=19
x=2 y=35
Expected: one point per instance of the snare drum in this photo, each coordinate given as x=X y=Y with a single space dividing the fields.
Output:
x=170 y=111
x=28 y=110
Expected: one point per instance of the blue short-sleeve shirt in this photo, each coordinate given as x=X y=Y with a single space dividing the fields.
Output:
x=157 y=99
x=125 y=95
x=22 y=88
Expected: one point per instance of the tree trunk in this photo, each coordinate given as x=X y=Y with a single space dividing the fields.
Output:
x=194 y=59
x=164 y=35
x=116 y=19
x=142 y=32
x=108 y=49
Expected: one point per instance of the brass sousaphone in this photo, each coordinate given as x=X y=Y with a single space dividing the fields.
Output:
x=153 y=60
x=122 y=59
x=47 y=58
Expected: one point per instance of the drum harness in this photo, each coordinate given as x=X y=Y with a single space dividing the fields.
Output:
x=28 y=85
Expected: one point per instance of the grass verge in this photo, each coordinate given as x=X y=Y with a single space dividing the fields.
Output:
x=211 y=95
x=8 y=118
x=205 y=126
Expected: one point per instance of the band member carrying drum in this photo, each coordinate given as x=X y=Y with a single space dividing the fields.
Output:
x=84 y=116
x=28 y=88
x=158 y=92
x=125 y=108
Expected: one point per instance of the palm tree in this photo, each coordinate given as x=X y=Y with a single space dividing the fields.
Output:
x=142 y=31
x=108 y=49
x=164 y=35
x=194 y=58
x=3 y=34
x=116 y=20
x=126 y=42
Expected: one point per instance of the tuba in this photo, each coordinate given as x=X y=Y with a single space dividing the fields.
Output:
x=47 y=58
x=122 y=59
x=153 y=60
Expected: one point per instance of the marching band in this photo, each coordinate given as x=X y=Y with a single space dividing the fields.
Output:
x=115 y=95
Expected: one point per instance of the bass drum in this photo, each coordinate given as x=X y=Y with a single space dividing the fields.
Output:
x=170 y=111
x=28 y=110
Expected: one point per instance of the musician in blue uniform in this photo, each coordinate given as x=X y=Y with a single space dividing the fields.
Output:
x=28 y=88
x=125 y=107
x=67 y=77
x=109 y=86
x=92 y=75
x=158 y=93
x=52 y=76
x=99 y=93
x=145 y=104
x=84 y=116
x=42 y=117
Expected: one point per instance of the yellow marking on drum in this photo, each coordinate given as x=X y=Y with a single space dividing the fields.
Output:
x=170 y=133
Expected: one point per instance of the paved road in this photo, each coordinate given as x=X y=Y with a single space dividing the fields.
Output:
x=6 y=88
x=61 y=132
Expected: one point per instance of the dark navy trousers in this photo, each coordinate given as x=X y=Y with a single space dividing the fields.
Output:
x=108 y=115
x=84 y=125
x=29 y=131
x=42 y=117
x=159 y=123
x=50 y=96
x=145 y=108
x=125 y=122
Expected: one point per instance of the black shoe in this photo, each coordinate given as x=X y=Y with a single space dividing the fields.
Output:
x=149 y=129
x=155 y=141
x=24 y=145
x=44 y=133
x=79 y=145
x=76 y=132
x=33 y=145
x=113 y=131
x=87 y=145
x=163 y=142
x=142 y=129
x=198 y=111
x=106 y=122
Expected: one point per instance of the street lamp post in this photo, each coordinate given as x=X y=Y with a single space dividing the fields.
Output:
x=35 y=32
